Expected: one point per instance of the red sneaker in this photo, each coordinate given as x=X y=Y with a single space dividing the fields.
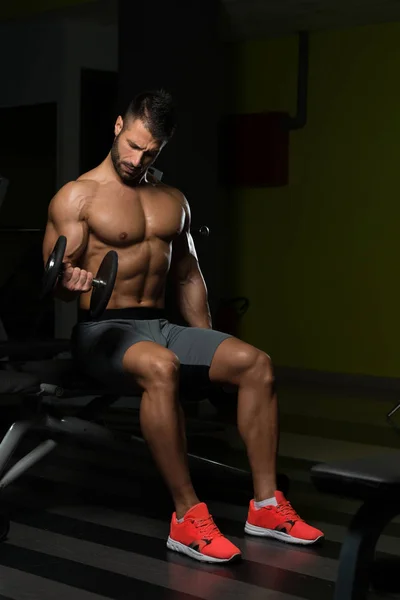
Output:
x=199 y=537
x=281 y=522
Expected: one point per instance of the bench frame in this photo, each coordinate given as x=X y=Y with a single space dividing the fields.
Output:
x=358 y=549
x=380 y=504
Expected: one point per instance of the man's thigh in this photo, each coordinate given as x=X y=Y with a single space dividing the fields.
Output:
x=195 y=348
x=100 y=348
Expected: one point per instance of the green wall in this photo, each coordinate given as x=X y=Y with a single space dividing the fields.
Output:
x=319 y=259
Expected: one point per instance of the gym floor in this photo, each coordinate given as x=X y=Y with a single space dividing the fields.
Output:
x=91 y=524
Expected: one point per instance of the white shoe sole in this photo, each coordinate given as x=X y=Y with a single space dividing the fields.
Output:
x=178 y=547
x=277 y=535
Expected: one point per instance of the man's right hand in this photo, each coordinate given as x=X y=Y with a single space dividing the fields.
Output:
x=75 y=279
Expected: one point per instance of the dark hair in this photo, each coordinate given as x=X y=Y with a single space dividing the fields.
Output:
x=156 y=110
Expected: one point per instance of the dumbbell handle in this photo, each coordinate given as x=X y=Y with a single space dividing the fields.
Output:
x=95 y=282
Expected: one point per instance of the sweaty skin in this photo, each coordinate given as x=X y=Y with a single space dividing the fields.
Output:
x=148 y=224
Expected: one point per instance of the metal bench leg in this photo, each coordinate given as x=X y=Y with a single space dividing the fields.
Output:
x=9 y=444
x=357 y=553
x=12 y=439
x=27 y=462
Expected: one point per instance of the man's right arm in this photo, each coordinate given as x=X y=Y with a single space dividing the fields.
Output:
x=65 y=217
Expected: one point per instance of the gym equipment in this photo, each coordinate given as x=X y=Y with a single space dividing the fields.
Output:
x=390 y=416
x=375 y=481
x=103 y=283
x=53 y=268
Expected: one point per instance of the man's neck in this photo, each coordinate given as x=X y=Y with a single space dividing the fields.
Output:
x=113 y=175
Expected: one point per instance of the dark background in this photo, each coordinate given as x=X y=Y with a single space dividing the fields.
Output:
x=303 y=218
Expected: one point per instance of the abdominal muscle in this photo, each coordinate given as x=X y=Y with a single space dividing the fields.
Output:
x=142 y=272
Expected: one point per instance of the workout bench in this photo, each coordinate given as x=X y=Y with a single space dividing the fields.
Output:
x=375 y=481
x=43 y=383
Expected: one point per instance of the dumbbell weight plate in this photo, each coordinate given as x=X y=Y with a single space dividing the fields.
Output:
x=53 y=267
x=103 y=284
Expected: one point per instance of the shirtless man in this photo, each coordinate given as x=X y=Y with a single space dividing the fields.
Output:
x=119 y=206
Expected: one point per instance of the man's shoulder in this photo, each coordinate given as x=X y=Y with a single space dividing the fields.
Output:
x=77 y=189
x=72 y=197
x=87 y=183
x=175 y=193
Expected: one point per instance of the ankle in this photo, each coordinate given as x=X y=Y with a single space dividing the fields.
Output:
x=267 y=502
x=182 y=507
x=264 y=493
x=181 y=510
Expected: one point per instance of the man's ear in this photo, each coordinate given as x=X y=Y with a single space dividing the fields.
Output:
x=119 y=124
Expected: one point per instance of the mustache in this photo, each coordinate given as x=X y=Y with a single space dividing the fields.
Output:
x=132 y=167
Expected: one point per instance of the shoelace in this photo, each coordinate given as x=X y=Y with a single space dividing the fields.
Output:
x=207 y=527
x=288 y=512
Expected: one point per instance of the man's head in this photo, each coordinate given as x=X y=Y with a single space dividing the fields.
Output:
x=140 y=135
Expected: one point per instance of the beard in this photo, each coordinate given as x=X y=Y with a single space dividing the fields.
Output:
x=126 y=177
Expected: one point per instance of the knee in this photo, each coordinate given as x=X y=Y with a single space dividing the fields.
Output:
x=164 y=370
x=264 y=369
x=259 y=369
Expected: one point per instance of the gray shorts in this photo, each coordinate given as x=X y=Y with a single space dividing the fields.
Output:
x=99 y=346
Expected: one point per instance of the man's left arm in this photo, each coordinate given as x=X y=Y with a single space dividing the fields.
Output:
x=192 y=295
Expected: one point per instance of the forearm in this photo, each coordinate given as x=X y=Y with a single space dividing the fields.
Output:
x=193 y=303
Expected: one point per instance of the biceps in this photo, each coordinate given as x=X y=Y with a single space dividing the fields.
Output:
x=76 y=234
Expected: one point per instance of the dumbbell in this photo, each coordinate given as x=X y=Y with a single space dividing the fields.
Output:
x=103 y=283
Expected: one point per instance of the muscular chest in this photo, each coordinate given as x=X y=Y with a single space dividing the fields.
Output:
x=132 y=217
